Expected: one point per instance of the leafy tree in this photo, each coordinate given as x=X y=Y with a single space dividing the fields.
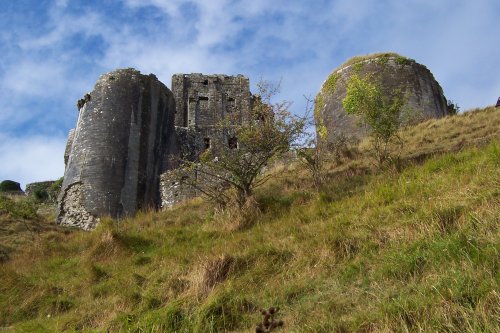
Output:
x=381 y=112
x=232 y=172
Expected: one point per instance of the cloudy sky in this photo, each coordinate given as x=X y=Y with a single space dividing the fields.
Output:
x=53 y=51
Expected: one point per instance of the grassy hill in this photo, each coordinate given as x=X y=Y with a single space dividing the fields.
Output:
x=407 y=249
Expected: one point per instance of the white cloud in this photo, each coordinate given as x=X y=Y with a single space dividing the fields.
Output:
x=31 y=159
x=44 y=71
x=32 y=78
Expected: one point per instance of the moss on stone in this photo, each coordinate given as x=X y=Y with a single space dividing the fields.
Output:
x=331 y=83
x=403 y=61
x=318 y=105
x=357 y=67
x=321 y=129
x=357 y=59
x=381 y=57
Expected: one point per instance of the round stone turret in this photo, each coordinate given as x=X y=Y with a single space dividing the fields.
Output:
x=424 y=95
x=124 y=135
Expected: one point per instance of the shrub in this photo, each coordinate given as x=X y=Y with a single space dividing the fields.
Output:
x=9 y=186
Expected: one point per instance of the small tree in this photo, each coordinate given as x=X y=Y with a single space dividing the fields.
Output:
x=266 y=133
x=313 y=154
x=380 y=112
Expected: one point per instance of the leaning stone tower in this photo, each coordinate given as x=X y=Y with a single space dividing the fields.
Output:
x=393 y=72
x=124 y=135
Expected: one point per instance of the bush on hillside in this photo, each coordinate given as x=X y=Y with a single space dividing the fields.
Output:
x=10 y=186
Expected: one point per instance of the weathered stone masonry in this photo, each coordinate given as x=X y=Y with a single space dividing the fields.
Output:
x=131 y=128
x=125 y=141
x=425 y=96
x=202 y=102
x=124 y=134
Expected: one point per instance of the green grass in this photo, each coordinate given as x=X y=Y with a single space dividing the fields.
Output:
x=414 y=250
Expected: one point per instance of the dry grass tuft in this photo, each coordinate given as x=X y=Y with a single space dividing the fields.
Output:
x=211 y=273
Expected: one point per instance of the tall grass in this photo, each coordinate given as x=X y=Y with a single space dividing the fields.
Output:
x=415 y=250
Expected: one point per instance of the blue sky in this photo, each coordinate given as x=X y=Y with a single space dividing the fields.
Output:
x=53 y=51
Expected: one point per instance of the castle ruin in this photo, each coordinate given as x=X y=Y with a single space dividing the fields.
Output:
x=425 y=98
x=203 y=101
x=130 y=129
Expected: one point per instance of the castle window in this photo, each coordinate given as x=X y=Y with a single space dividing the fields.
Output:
x=232 y=143
x=203 y=98
x=206 y=142
x=230 y=104
x=205 y=83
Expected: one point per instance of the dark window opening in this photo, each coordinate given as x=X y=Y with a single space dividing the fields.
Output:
x=232 y=143
x=205 y=83
x=203 y=98
x=206 y=141
x=230 y=104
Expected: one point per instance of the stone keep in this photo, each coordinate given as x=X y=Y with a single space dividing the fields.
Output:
x=202 y=101
x=120 y=147
x=425 y=96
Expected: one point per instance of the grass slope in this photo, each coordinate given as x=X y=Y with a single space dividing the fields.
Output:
x=415 y=250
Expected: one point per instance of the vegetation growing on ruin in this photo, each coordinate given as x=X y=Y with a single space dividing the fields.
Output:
x=379 y=112
x=409 y=248
x=381 y=57
x=269 y=133
x=357 y=63
x=328 y=87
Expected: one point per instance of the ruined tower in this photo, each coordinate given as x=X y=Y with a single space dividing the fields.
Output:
x=129 y=135
x=124 y=135
x=202 y=101
x=424 y=95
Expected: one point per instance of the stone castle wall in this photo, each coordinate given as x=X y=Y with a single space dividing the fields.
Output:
x=202 y=101
x=124 y=134
x=117 y=159
x=425 y=96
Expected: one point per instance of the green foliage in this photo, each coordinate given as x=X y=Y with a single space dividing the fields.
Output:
x=41 y=194
x=452 y=107
x=384 y=59
x=9 y=186
x=403 y=61
x=357 y=67
x=56 y=186
x=331 y=83
x=357 y=59
x=380 y=112
x=269 y=131
x=24 y=208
